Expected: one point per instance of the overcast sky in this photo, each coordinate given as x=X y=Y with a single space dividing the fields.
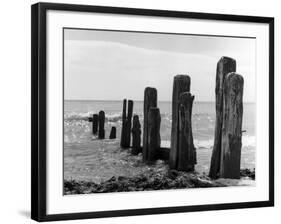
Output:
x=111 y=65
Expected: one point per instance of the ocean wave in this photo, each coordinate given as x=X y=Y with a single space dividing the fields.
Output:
x=113 y=117
x=76 y=116
x=85 y=117
x=197 y=143
x=116 y=117
x=203 y=143
x=247 y=141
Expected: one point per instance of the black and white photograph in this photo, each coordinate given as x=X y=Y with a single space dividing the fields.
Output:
x=147 y=111
x=140 y=111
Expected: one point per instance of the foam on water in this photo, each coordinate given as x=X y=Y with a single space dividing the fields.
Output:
x=247 y=141
x=74 y=116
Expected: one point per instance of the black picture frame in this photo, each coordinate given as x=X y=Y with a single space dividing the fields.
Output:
x=38 y=108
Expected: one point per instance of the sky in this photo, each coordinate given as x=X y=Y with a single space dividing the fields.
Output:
x=113 y=65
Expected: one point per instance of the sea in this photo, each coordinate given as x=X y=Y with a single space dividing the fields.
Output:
x=90 y=159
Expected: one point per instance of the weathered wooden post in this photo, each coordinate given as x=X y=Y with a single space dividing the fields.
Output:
x=95 y=123
x=153 y=129
x=186 y=152
x=128 y=125
x=101 y=125
x=224 y=66
x=124 y=115
x=150 y=100
x=112 y=133
x=181 y=84
x=136 y=133
x=232 y=126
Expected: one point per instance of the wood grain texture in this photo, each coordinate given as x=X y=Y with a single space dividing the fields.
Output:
x=101 y=125
x=181 y=84
x=186 y=152
x=154 y=139
x=150 y=100
x=136 y=136
x=232 y=126
x=128 y=125
x=224 y=66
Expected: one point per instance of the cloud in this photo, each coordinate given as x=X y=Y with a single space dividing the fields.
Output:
x=111 y=70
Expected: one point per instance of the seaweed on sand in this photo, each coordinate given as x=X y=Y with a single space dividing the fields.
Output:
x=169 y=180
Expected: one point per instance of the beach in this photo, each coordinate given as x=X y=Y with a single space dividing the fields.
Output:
x=91 y=160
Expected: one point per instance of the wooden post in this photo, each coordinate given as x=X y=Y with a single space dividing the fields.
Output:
x=232 y=126
x=112 y=133
x=95 y=124
x=187 y=154
x=101 y=125
x=181 y=84
x=224 y=66
x=122 y=142
x=153 y=140
x=150 y=100
x=128 y=125
x=136 y=133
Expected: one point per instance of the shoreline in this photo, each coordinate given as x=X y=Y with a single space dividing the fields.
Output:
x=171 y=179
x=98 y=161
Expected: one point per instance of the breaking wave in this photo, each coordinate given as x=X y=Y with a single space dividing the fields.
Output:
x=85 y=117
x=247 y=141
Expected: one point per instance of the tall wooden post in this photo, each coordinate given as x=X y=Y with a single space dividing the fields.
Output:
x=153 y=129
x=124 y=115
x=224 y=66
x=136 y=133
x=101 y=125
x=186 y=154
x=150 y=100
x=128 y=125
x=232 y=126
x=95 y=124
x=181 y=84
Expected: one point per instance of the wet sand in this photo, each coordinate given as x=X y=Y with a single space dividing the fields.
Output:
x=100 y=162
